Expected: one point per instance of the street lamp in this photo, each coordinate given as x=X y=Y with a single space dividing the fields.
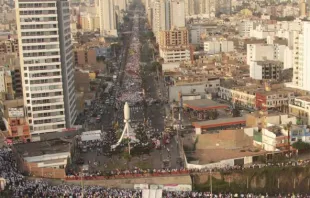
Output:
x=211 y=188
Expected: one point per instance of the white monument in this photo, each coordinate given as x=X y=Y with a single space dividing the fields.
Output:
x=128 y=132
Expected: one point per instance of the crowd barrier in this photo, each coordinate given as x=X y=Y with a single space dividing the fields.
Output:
x=128 y=176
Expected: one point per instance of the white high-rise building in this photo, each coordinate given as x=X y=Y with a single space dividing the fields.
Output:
x=107 y=18
x=46 y=61
x=168 y=14
x=160 y=21
x=301 y=64
x=177 y=13
x=122 y=5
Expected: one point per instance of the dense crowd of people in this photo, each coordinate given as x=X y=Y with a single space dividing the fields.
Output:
x=18 y=186
x=132 y=82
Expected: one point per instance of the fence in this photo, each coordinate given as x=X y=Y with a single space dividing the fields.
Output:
x=129 y=175
x=44 y=172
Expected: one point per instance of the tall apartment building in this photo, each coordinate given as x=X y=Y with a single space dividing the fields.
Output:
x=89 y=22
x=159 y=21
x=302 y=8
x=177 y=13
x=301 y=64
x=173 y=38
x=266 y=70
x=174 y=45
x=107 y=18
x=245 y=27
x=260 y=52
x=122 y=4
x=208 y=7
x=46 y=61
x=168 y=14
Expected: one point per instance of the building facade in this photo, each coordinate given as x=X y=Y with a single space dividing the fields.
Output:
x=301 y=64
x=300 y=108
x=274 y=99
x=175 y=54
x=84 y=56
x=9 y=46
x=175 y=37
x=177 y=13
x=260 y=52
x=266 y=70
x=107 y=18
x=241 y=96
x=46 y=61
x=214 y=47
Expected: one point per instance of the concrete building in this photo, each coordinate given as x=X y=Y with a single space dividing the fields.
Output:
x=177 y=13
x=46 y=61
x=274 y=138
x=260 y=52
x=189 y=7
x=46 y=159
x=245 y=26
x=243 y=96
x=174 y=45
x=122 y=4
x=288 y=58
x=300 y=108
x=173 y=38
x=209 y=85
x=14 y=117
x=266 y=70
x=10 y=82
x=167 y=15
x=301 y=64
x=302 y=8
x=274 y=99
x=197 y=34
x=263 y=31
x=171 y=55
x=18 y=127
x=160 y=16
x=9 y=46
x=107 y=18
x=90 y=22
x=84 y=56
x=214 y=47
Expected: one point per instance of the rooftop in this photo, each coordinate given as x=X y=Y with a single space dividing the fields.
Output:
x=276 y=130
x=276 y=90
x=42 y=148
x=304 y=98
x=220 y=122
x=203 y=104
x=227 y=144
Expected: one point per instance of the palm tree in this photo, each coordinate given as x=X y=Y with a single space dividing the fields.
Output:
x=289 y=126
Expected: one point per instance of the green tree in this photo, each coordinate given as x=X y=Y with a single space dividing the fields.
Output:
x=300 y=145
x=236 y=112
x=149 y=35
x=156 y=66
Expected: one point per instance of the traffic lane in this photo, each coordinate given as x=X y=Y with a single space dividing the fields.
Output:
x=156 y=116
x=151 y=85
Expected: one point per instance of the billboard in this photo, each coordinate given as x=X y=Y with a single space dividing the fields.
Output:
x=141 y=186
x=178 y=187
x=16 y=112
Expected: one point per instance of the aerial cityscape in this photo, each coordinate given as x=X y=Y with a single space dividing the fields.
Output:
x=154 y=98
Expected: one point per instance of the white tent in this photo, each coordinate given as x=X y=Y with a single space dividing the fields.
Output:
x=91 y=135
